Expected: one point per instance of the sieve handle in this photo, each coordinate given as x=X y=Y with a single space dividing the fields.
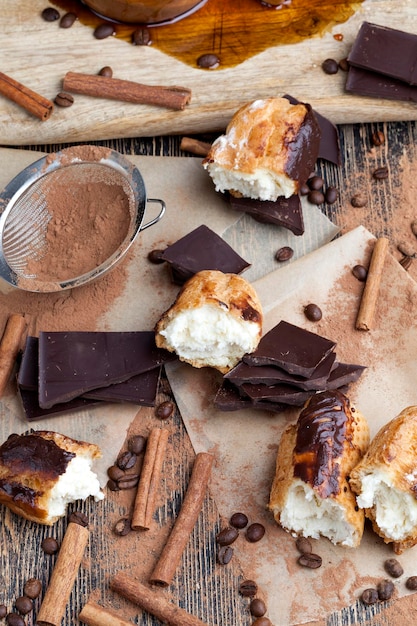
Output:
x=159 y=216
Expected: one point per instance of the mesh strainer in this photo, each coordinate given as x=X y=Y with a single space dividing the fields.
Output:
x=26 y=213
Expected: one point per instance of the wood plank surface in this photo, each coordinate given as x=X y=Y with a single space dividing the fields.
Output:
x=39 y=54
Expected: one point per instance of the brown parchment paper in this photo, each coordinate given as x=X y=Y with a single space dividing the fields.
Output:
x=245 y=442
x=191 y=201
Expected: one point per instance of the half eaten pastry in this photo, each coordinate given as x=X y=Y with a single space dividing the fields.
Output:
x=310 y=495
x=269 y=150
x=385 y=481
x=42 y=472
x=215 y=320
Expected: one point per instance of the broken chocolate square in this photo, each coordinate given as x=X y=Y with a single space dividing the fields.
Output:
x=344 y=374
x=296 y=350
x=285 y=212
x=140 y=389
x=228 y=398
x=201 y=249
x=373 y=85
x=286 y=394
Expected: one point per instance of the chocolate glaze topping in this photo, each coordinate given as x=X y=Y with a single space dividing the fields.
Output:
x=31 y=453
x=322 y=431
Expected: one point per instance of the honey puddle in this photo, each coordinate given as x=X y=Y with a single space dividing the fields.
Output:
x=232 y=30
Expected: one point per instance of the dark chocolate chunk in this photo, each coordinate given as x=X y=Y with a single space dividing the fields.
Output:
x=329 y=148
x=296 y=350
x=73 y=363
x=140 y=389
x=228 y=398
x=343 y=374
x=277 y=393
x=373 y=85
x=386 y=51
x=201 y=249
x=30 y=403
x=27 y=376
x=272 y=375
x=285 y=212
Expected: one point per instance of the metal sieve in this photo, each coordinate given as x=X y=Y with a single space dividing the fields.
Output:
x=25 y=214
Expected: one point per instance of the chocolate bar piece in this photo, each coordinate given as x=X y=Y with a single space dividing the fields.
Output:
x=73 y=363
x=344 y=374
x=329 y=148
x=296 y=350
x=28 y=374
x=201 y=249
x=285 y=212
x=386 y=51
x=277 y=393
x=140 y=389
x=30 y=403
x=373 y=85
x=271 y=375
x=228 y=398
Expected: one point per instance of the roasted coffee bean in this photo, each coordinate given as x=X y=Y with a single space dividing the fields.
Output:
x=136 y=444
x=114 y=472
x=155 y=256
x=369 y=596
x=360 y=272
x=126 y=460
x=315 y=197
x=63 y=99
x=50 y=14
x=67 y=20
x=208 y=61
x=128 y=481
x=50 y=545
x=411 y=583
x=32 y=588
x=14 y=619
x=78 y=517
x=255 y=532
x=378 y=138
x=122 y=527
x=224 y=555
x=104 y=30
x=24 y=605
x=248 y=588
x=315 y=183
x=141 y=37
x=257 y=607
x=284 y=254
x=164 y=410
x=262 y=621
x=313 y=312
x=330 y=66
x=385 y=589
x=310 y=560
x=106 y=71
x=380 y=173
x=394 y=568
x=344 y=65
x=407 y=249
x=3 y=611
x=359 y=200
x=239 y=520
x=331 y=195
x=303 y=545
x=405 y=262
x=227 y=536
x=113 y=485
x=304 y=189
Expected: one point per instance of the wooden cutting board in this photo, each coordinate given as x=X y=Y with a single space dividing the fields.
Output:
x=38 y=54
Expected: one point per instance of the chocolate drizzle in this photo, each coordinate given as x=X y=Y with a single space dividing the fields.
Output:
x=322 y=431
x=31 y=453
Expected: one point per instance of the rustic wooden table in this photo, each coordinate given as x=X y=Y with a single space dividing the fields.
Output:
x=202 y=586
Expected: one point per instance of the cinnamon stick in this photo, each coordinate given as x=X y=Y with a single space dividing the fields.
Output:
x=23 y=96
x=366 y=314
x=193 y=501
x=152 y=602
x=127 y=91
x=9 y=347
x=150 y=475
x=195 y=146
x=94 y=615
x=63 y=575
